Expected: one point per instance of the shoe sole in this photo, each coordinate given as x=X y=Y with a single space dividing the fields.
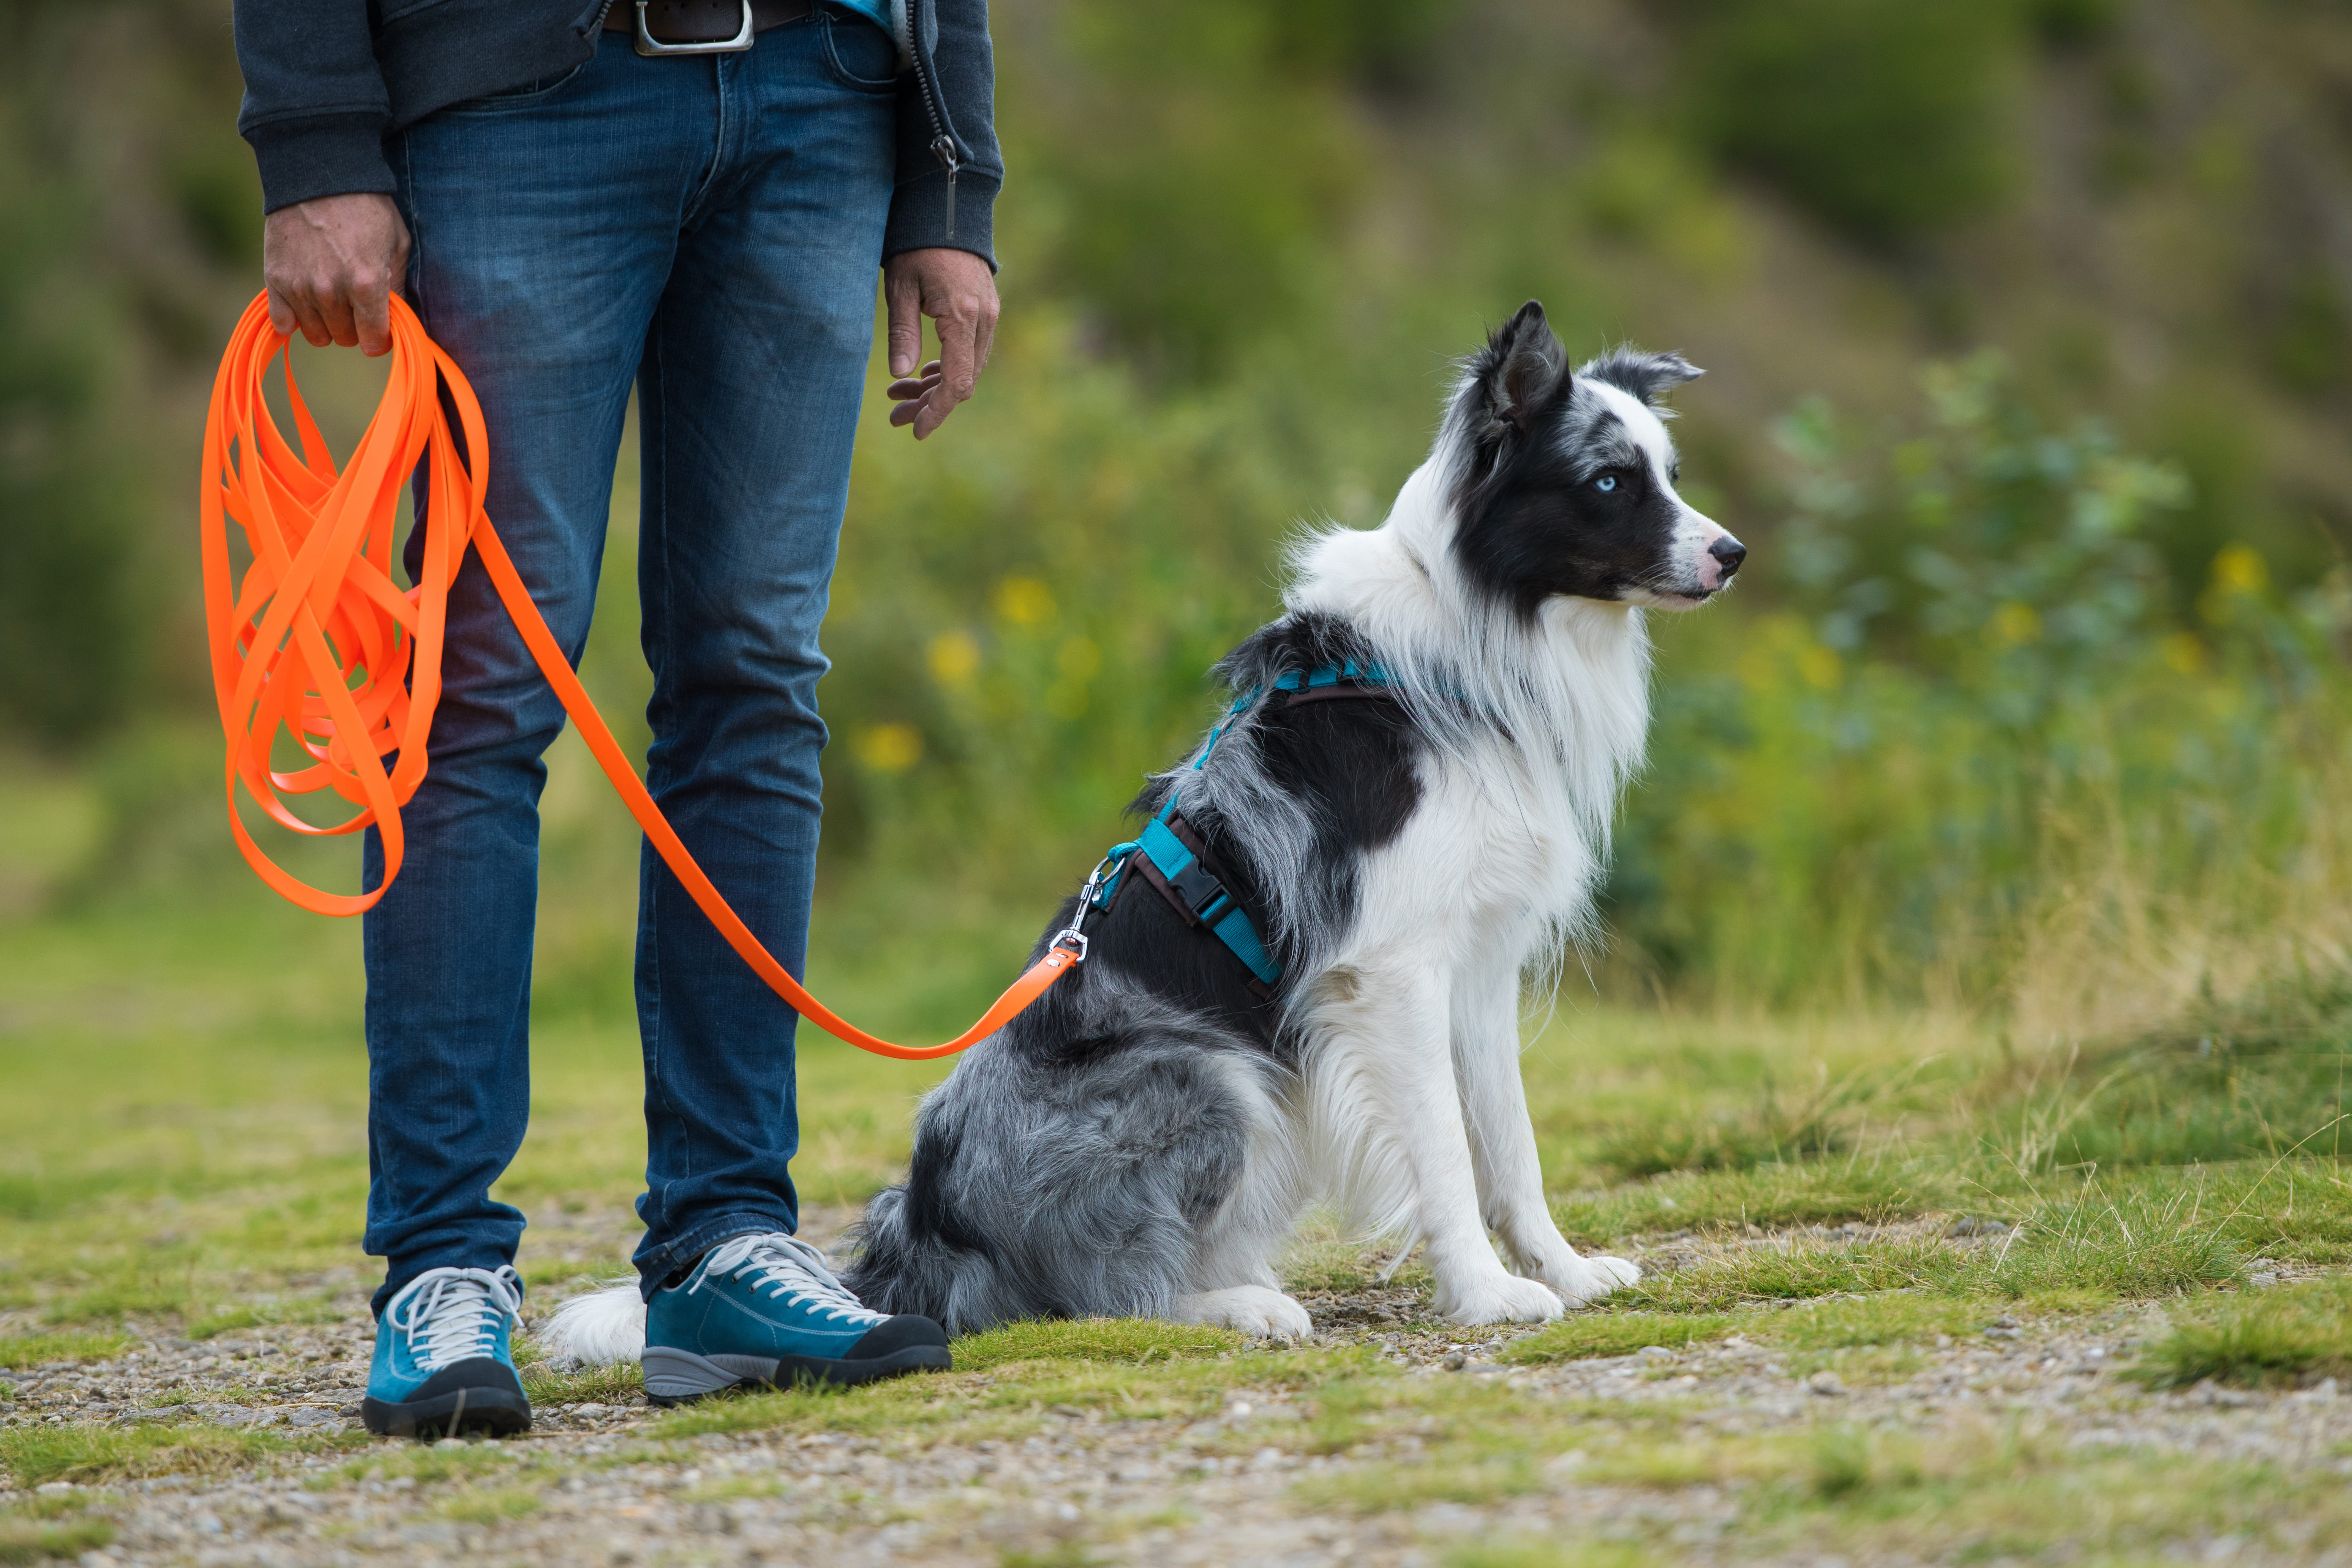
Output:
x=680 y=1377
x=499 y=1412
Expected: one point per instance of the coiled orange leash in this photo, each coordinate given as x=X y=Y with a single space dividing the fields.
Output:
x=319 y=639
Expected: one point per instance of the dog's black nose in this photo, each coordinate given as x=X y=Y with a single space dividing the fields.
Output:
x=1728 y=551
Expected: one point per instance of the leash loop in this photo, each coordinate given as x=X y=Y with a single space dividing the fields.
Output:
x=318 y=638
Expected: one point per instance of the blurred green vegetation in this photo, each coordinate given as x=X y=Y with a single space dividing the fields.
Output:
x=2026 y=328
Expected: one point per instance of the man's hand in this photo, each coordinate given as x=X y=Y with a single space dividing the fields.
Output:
x=955 y=289
x=332 y=265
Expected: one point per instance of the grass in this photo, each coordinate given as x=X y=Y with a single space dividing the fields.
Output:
x=20 y=1351
x=1587 y=1335
x=31 y=1541
x=1524 y=1554
x=1118 y=1341
x=34 y=1455
x=200 y=1170
x=2287 y=1336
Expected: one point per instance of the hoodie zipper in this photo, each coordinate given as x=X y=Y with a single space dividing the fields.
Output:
x=943 y=145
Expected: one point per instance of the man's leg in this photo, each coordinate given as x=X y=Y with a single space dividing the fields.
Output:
x=748 y=398
x=544 y=225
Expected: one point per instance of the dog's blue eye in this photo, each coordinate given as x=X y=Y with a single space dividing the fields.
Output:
x=1605 y=483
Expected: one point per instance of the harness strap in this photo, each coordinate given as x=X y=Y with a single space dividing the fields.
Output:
x=1174 y=858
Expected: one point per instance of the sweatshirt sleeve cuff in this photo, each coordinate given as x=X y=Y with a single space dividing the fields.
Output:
x=922 y=216
x=325 y=155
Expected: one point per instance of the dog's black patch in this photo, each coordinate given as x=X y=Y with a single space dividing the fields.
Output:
x=1556 y=497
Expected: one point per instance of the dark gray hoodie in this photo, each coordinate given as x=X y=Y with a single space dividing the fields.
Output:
x=326 y=80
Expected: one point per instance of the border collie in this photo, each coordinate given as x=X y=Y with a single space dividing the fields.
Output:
x=1142 y=1139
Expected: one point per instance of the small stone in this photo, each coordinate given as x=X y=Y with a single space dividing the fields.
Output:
x=1997 y=1333
x=448 y=1443
x=2261 y=1281
x=1072 y=1413
x=1654 y=1352
x=1826 y=1384
x=589 y=1412
x=1457 y=1362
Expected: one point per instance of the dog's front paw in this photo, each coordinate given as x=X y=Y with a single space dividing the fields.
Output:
x=1586 y=1280
x=1255 y=1310
x=1503 y=1298
x=1582 y=1280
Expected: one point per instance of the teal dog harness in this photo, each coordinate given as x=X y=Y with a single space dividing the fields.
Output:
x=1173 y=858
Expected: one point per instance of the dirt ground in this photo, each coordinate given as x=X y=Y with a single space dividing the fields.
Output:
x=1232 y=1487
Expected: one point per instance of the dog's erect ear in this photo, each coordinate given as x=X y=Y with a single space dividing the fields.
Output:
x=1646 y=376
x=1521 y=370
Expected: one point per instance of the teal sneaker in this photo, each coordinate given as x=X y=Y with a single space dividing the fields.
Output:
x=444 y=1360
x=764 y=1311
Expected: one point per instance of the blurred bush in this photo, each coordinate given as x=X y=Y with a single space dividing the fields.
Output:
x=1975 y=741
x=2036 y=676
x=1885 y=117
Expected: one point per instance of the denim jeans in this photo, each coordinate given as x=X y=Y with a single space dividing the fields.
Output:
x=709 y=228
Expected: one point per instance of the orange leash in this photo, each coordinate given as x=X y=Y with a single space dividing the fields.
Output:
x=319 y=639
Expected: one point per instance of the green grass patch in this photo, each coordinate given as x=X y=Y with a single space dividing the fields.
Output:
x=20 y=1351
x=33 y=1455
x=490 y=1505
x=592 y=1385
x=1519 y=1553
x=1584 y=1336
x=35 y=1540
x=1795 y=1271
x=1818 y=1191
x=261 y=1315
x=1889 y=1318
x=2289 y=1334
x=1388 y=1488
x=429 y=1464
x=1061 y=1554
x=1015 y=1399
x=1126 y=1342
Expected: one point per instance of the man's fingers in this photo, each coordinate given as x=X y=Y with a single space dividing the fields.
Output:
x=904 y=296
x=315 y=330
x=957 y=328
x=983 y=335
x=281 y=314
x=371 y=314
x=899 y=391
x=335 y=314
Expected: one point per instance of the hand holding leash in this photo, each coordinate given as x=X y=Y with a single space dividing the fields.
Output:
x=332 y=265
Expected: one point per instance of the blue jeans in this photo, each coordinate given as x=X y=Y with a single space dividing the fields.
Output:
x=709 y=228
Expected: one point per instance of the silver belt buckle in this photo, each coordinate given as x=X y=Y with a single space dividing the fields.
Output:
x=650 y=45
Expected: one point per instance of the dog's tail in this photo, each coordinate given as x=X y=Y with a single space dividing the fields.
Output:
x=604 y=1328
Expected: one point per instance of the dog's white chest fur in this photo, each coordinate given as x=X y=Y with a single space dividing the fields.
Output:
x=1512 y=828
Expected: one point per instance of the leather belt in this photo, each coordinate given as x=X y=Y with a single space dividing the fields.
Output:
x=699 y=26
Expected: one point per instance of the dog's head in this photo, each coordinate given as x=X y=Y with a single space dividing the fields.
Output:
x=1565 y=480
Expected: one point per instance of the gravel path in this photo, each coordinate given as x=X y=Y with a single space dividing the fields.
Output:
x=1219 y=1489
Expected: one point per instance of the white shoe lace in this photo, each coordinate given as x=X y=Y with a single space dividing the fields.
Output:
x=789 y=1269
x=451 y=1314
